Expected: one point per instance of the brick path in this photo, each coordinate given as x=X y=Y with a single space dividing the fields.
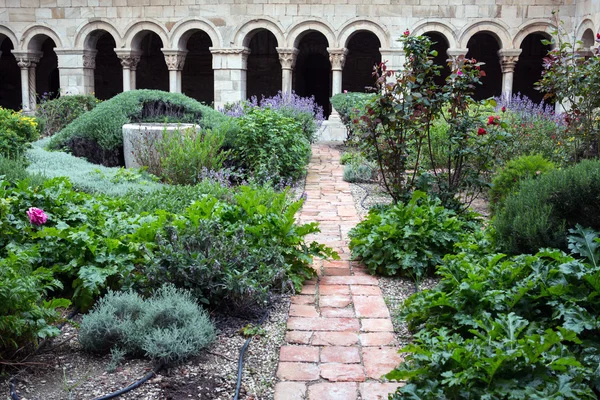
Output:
x=339 y=333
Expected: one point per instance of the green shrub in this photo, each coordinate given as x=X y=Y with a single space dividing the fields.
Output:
x=97 y=135
x=54 y=115
x=234 y=253
x=541 y=212
x=407 y=239
x=361 y=172
x=25 y=316
x=351 y=106
x=515 y=171
x=13 y=169
x=269 y=146
x=85 y=176
x=168 y=328
x=16 y=132
x=499 y=327
x=182 y=156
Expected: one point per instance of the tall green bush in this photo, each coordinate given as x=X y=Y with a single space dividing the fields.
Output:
x=543 y=210
x=54 y=115
x=97 y=135
x=16 y=132
x=516 y=170
x=269 y=146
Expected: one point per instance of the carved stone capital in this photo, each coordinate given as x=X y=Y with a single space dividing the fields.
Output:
x=287 y=57
x=129 y=58
x=175 y=59
x=508 y=59
x=27 y=60
x=337 y=57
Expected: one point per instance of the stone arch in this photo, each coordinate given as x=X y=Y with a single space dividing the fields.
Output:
x=7 y=33
x=362 y=25
x=299 y=30
x=34 y=36
x=87 y=34
x=246 y=31
x=439 y=27
x=493 y=27
x=132 y=38
x=583 y=27
x=540 y=26
x=184 y=29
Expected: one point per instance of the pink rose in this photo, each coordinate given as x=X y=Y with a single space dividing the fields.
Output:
x=37 y=216
x=459 y=73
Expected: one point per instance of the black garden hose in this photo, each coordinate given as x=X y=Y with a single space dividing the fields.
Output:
x=134 y=385
x=238 y=386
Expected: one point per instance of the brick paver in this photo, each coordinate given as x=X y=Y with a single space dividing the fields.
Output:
x=339 y=340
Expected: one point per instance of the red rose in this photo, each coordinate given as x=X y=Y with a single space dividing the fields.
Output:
x=406 y=32
x=481 y=132
x=503 y=109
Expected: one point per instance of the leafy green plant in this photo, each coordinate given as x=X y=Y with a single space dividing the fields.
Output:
x=407 y=239
x=184 y=155
x=16 y=132
x=515 y=171
x=54 y=115
x=269 y=146
x=360 y=172
x=234 y=253
x=351 y=106
x=506 y=327
x=25 y=315
x=168 y=328
x=97 y=135
x=541 y=212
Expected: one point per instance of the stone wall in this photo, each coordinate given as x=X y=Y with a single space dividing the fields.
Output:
x=74 y=27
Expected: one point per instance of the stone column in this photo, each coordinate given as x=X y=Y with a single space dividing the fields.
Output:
x=337 y=57
x=27 y=62
x=175 y=60
x=230 y=66
x=89 y=66
x=455 y=55
x=508 y=60
x=394 y=58
x=129 y=61
x=287 y=58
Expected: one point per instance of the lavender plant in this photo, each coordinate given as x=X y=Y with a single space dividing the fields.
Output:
x=302 y=109
x=535 y=129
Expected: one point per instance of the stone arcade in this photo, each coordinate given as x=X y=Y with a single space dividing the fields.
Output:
x=228 y=50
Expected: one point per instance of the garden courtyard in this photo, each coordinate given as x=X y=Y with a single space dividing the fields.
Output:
x=447 y=249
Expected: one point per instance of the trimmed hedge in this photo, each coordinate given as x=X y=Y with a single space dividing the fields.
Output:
x=543 y=210
x=97 y=135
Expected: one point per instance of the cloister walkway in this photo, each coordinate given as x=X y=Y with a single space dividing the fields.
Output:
x=339 y=338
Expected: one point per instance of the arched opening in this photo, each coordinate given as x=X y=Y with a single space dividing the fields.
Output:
x=312 y=74
x=263 y=77
x=152 y=71
x=47 y=80
x=529 y=67
x=440 y=45
x=588 y=39
x=197 y=77
x=10 y=76
x=108 y=74
x=484 y=47
x=363 y=54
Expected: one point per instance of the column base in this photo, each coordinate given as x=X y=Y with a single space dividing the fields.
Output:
x=332 y=130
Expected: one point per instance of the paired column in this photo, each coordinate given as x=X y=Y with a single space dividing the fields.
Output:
x=287 y=58
x=230 y=66
x=129 y=60
x=394 y=58
x=508 y=61
x=337 y=57
x=27 y=62
x=175 y=60
x=456 y=56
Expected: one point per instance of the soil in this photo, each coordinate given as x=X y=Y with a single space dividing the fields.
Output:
x=62 y=371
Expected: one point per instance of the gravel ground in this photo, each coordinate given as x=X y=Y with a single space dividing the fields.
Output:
x=64 y=372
